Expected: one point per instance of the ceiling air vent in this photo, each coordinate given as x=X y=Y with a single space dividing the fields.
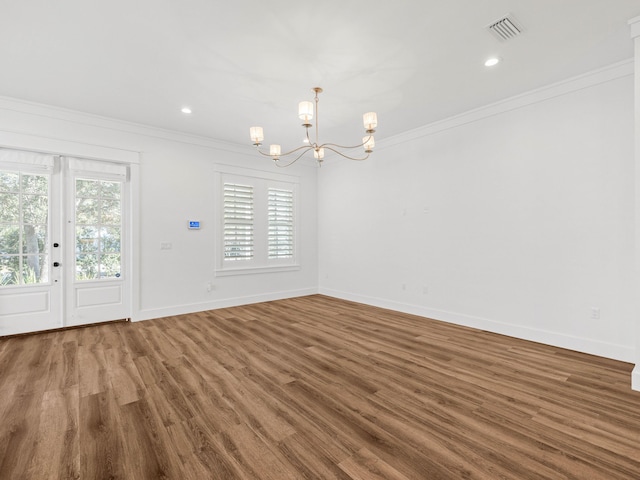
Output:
x=505 y=28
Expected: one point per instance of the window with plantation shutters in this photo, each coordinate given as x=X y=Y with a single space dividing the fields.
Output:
x=257 y=224
x=238 y=222
x=280 y=234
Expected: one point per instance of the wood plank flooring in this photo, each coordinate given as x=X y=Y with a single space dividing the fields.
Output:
x=309 y=388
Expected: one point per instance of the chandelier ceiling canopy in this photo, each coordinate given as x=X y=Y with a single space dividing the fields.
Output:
x=306 y=113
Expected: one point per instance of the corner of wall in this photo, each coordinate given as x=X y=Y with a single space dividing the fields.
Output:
x=634 y=25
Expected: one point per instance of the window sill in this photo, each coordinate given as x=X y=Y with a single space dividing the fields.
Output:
x=225 y=272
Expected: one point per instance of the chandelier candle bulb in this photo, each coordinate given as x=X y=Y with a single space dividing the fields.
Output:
x=305 y=112
x=274 y=151
x=368 y=143
x=370 y=121
x=257 y=135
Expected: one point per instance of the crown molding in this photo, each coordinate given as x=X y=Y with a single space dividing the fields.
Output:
x=580 y=82
x=59 y=146
x=634 y=24
x=606 y=74
x=88 y=119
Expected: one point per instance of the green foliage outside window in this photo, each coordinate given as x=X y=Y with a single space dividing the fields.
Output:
x=98 y=229
x=24 y=218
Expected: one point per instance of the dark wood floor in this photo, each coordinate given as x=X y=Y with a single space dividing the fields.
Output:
x=307 y=388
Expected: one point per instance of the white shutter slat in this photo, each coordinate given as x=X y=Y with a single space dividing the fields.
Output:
x=238 y=221
x=280 y=223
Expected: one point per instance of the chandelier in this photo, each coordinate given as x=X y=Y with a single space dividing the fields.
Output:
x=305 y=113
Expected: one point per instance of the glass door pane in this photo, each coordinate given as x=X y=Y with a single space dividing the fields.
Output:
x=98 y=223
x=24 y=228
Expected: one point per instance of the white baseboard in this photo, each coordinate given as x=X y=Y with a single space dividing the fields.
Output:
x=592 y=347
x=149 y=314
x=635 y=378
x=584 y=345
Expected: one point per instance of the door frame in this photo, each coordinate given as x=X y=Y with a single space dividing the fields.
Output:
x=95 y=300
x=132 y=158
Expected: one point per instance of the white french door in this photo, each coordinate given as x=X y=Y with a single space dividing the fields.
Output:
x=64 y=242
x=30 y=285
x=98 y=280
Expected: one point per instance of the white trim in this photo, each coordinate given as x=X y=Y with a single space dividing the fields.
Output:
x=149 y=314
x=88 y=119
x=634 y=24
x=260 y=263
x=255 y=173
x=68 y=148
x=592 y=347
x=230 y=271
x=135 y=247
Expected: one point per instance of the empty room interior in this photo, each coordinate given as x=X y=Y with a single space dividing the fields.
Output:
x=320 y=240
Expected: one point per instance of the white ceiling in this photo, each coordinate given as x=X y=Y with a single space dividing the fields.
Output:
x=249 y=62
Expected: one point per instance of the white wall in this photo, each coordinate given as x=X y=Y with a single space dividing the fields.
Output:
x=517 y=218
x=176 y=184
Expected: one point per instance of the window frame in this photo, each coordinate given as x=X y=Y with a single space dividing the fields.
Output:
x=261 y=181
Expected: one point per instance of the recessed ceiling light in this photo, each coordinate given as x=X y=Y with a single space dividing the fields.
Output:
x=492 y=62
x=186 y=110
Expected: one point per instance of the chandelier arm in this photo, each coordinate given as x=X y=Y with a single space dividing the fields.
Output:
x=261 y=152
x=329 y=145
x=292 y=161
x=346 y=156
x=347 y=146
x=305 y=147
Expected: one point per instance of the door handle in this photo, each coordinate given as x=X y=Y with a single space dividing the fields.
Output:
x=56 y=264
